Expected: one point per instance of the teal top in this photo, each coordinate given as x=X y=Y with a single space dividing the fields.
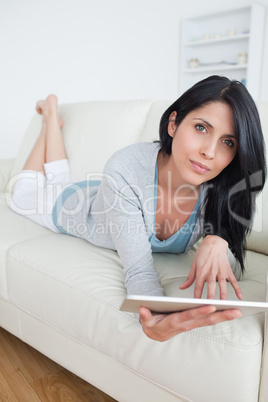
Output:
x=178 y=242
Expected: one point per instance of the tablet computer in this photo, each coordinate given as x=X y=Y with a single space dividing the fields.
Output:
x=162 y=304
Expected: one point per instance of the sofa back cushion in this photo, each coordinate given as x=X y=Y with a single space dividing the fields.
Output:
x=151 y=128
x=92 y=132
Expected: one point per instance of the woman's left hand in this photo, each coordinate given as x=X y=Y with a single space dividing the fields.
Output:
x=211 y=264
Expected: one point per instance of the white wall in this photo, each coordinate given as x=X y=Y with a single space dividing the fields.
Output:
x=90 y=50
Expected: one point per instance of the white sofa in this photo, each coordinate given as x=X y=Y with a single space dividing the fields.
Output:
x=62 y=295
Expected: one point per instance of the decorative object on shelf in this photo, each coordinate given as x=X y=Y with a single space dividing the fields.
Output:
x=206 y=37
x=242 y=58
x=193 y=63
x=217 y=63
x=231 y=32
x=194 y=39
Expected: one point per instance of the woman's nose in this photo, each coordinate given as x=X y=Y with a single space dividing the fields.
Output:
x=208 y=149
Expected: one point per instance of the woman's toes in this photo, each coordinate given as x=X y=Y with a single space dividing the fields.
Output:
x=44 y=106
x=50 y=104
x=40 y=106
x=52 y=99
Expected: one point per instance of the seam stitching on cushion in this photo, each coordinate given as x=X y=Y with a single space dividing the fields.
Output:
x=235 y=345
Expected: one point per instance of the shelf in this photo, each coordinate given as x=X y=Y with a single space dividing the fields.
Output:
x=215 y=44
x=215 y=67
x=217 y=40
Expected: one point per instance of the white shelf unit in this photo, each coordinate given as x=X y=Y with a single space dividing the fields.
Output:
x=216 y=40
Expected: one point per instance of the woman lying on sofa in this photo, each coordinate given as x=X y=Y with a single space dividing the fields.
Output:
x=199 y=180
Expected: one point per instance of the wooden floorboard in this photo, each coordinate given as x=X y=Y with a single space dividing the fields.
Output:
x=28 y=376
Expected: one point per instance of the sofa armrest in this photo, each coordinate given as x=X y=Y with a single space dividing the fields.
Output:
x=6 y=166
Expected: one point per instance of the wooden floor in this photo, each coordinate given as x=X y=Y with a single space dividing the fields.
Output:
x=28 y=376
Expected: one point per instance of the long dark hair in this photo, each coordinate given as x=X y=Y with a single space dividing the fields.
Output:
x=230 y=197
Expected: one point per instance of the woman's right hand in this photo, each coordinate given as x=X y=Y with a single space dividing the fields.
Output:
x=161 y=327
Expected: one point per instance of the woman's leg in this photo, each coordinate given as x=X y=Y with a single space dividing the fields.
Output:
x=36 y=159
x=46 y=170
x=49 y=146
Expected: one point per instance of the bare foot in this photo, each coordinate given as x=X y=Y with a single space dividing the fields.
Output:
x=43 y=106
x=47 y=104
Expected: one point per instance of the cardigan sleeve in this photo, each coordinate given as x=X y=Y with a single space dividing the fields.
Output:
x=125 y=222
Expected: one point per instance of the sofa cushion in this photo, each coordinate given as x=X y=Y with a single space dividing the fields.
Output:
x=92 y=132
x=150 y=131
x=15 y=229
x=6 y=166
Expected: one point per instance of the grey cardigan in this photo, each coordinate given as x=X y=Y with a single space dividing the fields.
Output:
x=118 y=213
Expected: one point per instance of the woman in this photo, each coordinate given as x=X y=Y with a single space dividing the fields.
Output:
x=200 y=180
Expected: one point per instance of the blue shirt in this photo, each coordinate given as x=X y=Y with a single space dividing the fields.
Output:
x=178 y=242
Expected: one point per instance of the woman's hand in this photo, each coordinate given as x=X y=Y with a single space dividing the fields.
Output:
x=162 y=327
x=211 y=264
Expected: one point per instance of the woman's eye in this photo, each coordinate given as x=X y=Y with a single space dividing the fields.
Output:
x=229 y=143
x=201 y=128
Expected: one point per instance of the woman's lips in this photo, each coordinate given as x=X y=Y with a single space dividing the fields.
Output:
x=200 y=167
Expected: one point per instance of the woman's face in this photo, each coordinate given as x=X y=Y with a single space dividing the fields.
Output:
x=203 y=144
